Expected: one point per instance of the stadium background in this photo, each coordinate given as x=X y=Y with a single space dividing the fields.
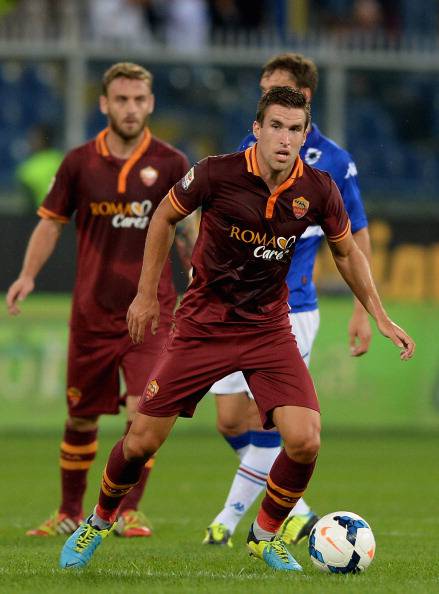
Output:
x=378 y=96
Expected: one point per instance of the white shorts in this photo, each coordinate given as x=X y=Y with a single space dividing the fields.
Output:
x=304 y=326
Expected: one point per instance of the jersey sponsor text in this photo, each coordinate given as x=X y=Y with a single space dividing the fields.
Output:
x=125 y=214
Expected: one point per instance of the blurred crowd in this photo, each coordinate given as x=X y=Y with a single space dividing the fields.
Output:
x=200 y=107
x=191 y=24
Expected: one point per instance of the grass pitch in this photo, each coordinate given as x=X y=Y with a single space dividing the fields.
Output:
x=378 y=459
x=387 y=477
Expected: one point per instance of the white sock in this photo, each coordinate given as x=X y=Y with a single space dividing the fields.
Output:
x=239 y=443
x=242 y=452
x=250 y=480
x=300 y=509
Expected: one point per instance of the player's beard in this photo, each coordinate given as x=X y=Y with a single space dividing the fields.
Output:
x=126 y=136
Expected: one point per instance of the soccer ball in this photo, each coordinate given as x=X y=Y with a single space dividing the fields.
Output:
x=342 y=542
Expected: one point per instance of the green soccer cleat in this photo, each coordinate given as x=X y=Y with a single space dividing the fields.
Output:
x=218 y=534
x=274 y=552
x=81 y=545
x=297 y=528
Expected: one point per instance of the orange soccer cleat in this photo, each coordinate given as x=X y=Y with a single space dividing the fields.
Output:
x=132 y=523
x=58 y=523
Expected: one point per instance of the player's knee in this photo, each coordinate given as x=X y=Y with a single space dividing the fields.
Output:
x=137 y=446
x=254 y=420
x=232 y=414
x=303 y=448
x=230 y=426
x=82 y=424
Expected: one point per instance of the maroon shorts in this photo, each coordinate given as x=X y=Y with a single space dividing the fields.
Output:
x=94 y=365
x=190 y=364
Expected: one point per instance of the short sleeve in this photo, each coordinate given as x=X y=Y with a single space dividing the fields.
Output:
x=335 y=224
x=60 y=202
x=192 y=190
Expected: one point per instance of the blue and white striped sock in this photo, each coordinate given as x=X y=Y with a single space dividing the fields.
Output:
x=250 y=478
x=239 y=443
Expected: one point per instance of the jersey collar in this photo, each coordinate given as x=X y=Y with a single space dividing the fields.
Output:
x=252 y=167
x=140 y=150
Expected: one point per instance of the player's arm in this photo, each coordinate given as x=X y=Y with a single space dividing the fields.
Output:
x=354 y=268
x=360 y=333
x=359 y=330
x=41 y=245
x=145 y=309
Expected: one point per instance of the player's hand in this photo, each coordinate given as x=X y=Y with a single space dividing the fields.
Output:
x=143 y=312
x=398 y=336
x=360 y=332
x=18 y=291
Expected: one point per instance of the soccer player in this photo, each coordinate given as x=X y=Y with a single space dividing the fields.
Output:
x=234 y=315
x=112 y=186
x=237 y=416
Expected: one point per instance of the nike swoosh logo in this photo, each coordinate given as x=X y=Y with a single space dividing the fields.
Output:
x=72 y=564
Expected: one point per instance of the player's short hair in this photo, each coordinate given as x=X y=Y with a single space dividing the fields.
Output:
x=285 y=96
x=125 y=70
x=302 y=69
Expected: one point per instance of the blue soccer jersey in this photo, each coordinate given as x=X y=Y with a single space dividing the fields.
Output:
x=322 y=153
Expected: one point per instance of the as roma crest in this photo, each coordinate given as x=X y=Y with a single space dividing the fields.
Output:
x=149 y=175
x=152 y=389
x=300 y=207
x=73 y=395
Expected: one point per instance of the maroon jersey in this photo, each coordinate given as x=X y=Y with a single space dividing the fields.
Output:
x=113 y=201
x=247 y=235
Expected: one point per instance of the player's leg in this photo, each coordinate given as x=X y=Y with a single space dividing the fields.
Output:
x=232 y=407
x=131 y=521
x=232 y=401
x=127 y=460
x=287 y=481
x=286 y=398
x=122 y=472
x=196 y=363
x=251 y=475
x=238 y=418
x=77 y=452
x=302 y=518
x=92 y=390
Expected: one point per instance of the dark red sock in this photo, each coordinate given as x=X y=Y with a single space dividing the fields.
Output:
x=286 y=484
x=119 y=478
x=132 y=499
x=78 y=450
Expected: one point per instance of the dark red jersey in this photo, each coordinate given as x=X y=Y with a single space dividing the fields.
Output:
x=113 y=201
x=247 y=235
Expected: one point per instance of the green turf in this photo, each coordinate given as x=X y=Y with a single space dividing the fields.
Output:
x=378 y=458
x=376 y=389
x=386 y=477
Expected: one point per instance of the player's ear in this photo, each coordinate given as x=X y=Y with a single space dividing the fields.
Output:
x=256 y=129
x=151 y=104
x=103 y=104
x=304 y=138
x=307 y=92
